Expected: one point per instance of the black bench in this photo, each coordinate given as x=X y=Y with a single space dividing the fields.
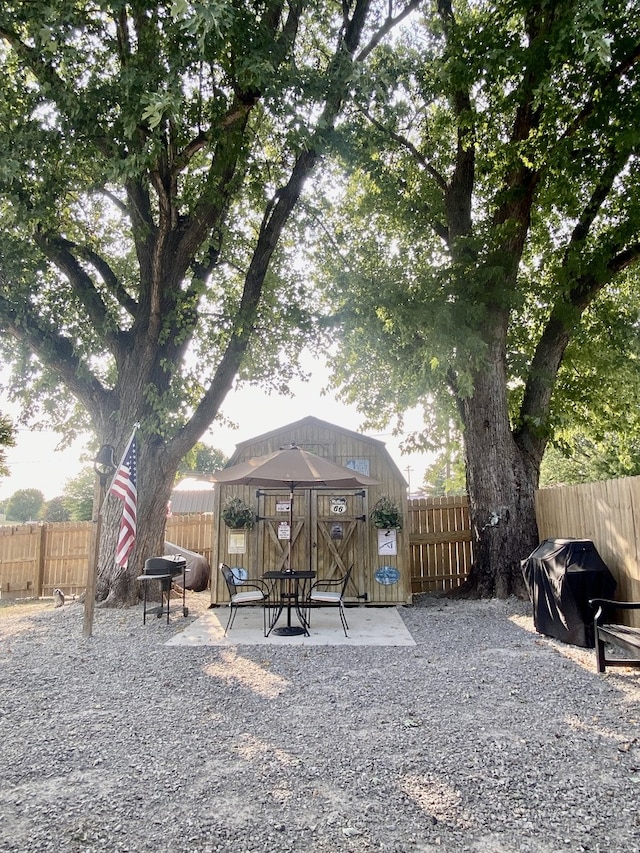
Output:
x=618 y=635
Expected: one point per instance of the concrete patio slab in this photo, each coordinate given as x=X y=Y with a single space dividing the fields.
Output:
x=368 y=626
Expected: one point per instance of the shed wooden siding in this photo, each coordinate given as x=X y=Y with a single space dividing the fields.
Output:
x=340 y=446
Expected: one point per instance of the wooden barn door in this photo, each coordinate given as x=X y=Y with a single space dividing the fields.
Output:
x=328 y=534
x=340 y=539
x=273 y=544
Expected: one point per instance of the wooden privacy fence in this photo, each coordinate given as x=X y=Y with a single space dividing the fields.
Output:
x=607 y=513
x=37 y=558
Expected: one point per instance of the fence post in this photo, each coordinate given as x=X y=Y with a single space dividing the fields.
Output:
x=40 y=555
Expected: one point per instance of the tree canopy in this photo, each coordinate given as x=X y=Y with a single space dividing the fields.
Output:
x=7 y=439
x=24 y=505
x=483 y=255
x=153 y=155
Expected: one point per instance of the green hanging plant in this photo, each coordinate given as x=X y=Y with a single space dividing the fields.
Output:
x=237 y=515
x=386 y=515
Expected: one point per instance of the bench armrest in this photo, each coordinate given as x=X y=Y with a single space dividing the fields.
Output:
x=614 y=605
x=603 y=605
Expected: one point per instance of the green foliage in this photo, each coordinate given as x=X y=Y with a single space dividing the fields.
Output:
x=582 y=459
x=446 y=476
x=152 y=158
x=55 y=510
x=489 y=220
x=386 y=514
x=201 y=459
x=24 y=505
x=78 y=495
x=7 y=439
x=237 y=514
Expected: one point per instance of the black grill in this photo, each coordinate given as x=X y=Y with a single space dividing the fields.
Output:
x=164 y=569
x=172 y=565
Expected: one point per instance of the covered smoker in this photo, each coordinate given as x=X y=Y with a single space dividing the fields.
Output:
x=561 y=576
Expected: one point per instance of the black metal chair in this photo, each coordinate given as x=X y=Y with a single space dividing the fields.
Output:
x=329 y=593
x=242 y=592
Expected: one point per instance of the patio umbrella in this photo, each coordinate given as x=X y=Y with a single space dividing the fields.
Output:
x=292 y=468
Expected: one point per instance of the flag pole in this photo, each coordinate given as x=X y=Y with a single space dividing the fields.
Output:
x=103 y=465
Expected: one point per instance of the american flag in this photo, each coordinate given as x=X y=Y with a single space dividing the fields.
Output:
x=124 y=487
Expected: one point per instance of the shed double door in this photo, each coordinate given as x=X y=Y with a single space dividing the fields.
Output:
x=328 y=533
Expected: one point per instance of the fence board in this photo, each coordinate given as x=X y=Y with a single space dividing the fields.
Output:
x=35 y=559
x=20 y=561
x=440 y=545
x=193 y=532
x=608 y=513
x=66 y=551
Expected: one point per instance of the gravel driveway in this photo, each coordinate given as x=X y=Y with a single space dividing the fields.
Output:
x=483 y=737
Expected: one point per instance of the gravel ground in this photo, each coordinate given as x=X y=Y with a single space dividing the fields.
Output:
x=483 y=737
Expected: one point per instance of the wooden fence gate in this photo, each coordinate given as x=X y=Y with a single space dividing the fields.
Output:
x=440 y=543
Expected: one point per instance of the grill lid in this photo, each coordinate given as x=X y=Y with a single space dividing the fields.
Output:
x=171 y=565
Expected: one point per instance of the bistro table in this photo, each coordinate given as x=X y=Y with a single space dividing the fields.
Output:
x=293 y=588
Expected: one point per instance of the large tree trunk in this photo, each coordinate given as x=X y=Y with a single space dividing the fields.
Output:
x=117 y=586
x=501 y=481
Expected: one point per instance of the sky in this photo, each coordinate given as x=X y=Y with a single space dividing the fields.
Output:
x=35 y=463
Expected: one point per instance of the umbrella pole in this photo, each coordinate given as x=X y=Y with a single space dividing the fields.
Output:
x=290 y=527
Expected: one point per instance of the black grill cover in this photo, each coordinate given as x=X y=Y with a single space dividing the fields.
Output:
x=561 y=576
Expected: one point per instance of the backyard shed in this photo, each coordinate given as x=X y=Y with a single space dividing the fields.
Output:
x=330 y=529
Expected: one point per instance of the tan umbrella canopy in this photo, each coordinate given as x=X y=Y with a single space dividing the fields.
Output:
x=292 y=468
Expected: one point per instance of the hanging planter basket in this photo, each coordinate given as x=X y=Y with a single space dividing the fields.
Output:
x=238 y=515
x=386 y=514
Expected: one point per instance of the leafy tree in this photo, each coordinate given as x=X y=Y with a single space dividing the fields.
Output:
x=24 y=505
x=78 y=495
x=7 y=439
x=584 y=460
x=152 y=157
x=202 y=459
x=484 y=252
x=54 y=510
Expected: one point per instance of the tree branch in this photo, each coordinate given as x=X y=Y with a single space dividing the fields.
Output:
x=386 y=28
x=66 y=98
x=598 y=88
x=60 y=252
x=57 y=354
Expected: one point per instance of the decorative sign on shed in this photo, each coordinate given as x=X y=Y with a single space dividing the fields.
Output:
x=338 y=506
x=387 y=542
x=237 y=542
x=284 y=531
x=337 y=530
x=359 y=465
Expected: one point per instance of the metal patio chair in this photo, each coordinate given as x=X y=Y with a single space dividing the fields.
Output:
x=242 y=592
x=329 y=593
